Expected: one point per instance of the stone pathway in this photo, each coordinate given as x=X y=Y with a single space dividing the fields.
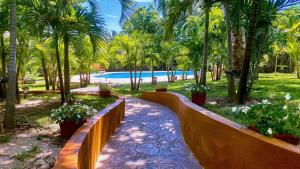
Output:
x=148 y=138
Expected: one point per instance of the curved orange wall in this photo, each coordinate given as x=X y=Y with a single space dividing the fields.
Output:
x=83 y=148
x=219 y=143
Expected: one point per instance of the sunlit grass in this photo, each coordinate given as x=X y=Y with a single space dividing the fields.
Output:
x=268 y=86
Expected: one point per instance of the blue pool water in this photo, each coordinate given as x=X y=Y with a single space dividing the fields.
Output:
x=115 y=75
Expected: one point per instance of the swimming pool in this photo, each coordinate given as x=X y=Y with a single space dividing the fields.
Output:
x=115 y=75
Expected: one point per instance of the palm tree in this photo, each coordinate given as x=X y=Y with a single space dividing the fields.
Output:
x=231 y=85
x=242 y=92
x=175 y=10
x=272 y=7
x=10 y=121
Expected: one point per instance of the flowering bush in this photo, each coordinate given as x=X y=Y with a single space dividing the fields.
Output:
x=196 y=88
x=104 y=87
x=75 y=112
x=271 y=118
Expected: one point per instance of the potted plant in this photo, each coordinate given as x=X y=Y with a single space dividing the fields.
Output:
x=275 y=120
x=198 y=93
x=161 y=87
x=71 y=117
x=104 y=90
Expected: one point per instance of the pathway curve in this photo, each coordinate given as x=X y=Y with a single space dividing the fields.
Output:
x=148 y=138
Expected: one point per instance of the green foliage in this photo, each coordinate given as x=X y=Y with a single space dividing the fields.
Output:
x=105 y=87
x=76 y=112
x=27 y=154
x=196 y=88
x=161 y=85
x=271 y=118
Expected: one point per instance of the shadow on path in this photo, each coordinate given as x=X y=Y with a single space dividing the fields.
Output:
x=148 y=138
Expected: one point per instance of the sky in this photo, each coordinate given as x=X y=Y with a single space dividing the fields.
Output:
x=111 y=12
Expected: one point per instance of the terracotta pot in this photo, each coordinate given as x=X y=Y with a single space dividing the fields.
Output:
x=105 y=93
x=161 y=90
x=69 y=127
x=287 y=138
x=199 y=98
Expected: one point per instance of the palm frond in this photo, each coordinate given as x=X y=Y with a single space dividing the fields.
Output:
x=128 y=7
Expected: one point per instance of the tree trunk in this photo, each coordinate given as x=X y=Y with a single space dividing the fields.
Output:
x=168 y=74
x=230 y=79
x=3 y=54
x=242 y=92
x=140 y=77
x=17 y=76
x=276 y=62
x=130 y=71
x=205 y=47
x=89 y=71
x=152 y=72
x=66 y=64
x=61 y=83
x=3 y=57
x=10 y=119
x=45 y=72
x=54 y=78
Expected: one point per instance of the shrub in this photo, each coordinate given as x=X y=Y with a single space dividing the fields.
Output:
x=75 y=112
x=104 y=87
x=271 y=118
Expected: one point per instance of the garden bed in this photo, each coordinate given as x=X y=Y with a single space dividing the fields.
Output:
x=209 y=136
x=36 y=142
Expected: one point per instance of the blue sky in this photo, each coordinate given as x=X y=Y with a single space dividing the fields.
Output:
x=111 y=12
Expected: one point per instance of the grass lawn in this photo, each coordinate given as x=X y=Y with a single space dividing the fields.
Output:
x=40 y=114
x=269 y=86
x=40 y=85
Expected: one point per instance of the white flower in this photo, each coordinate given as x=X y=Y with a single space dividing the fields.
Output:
x=286 y=117
x=234 y=109
x=266 y=101
x=52 y=115
x=288 y=96
x=94 y=111
x=284 y=107
x=59 y=118
x=269 y=131
x=245 y=109
x=78 y=116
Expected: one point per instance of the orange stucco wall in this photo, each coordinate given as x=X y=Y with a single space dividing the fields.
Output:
x=219 y=143
x=83 y=148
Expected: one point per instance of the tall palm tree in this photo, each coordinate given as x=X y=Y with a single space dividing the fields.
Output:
x=10 y=120
x=175 y=10
x=231 y=85
x=255 y=15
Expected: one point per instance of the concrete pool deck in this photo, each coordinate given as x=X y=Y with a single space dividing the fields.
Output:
x=95 y=79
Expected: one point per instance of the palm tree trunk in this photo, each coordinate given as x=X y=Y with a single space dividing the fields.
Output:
x=17 y=76
x=230 y=79
x=3 y=54
x=135 y=72
x=205 y=47
x=276 y=62
x=61 y=83
x=10 y=119
x=242 y=91
x=130 y=71
x=45 y=73
x=66 y=64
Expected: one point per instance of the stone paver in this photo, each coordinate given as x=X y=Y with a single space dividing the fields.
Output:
x=148 y=138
